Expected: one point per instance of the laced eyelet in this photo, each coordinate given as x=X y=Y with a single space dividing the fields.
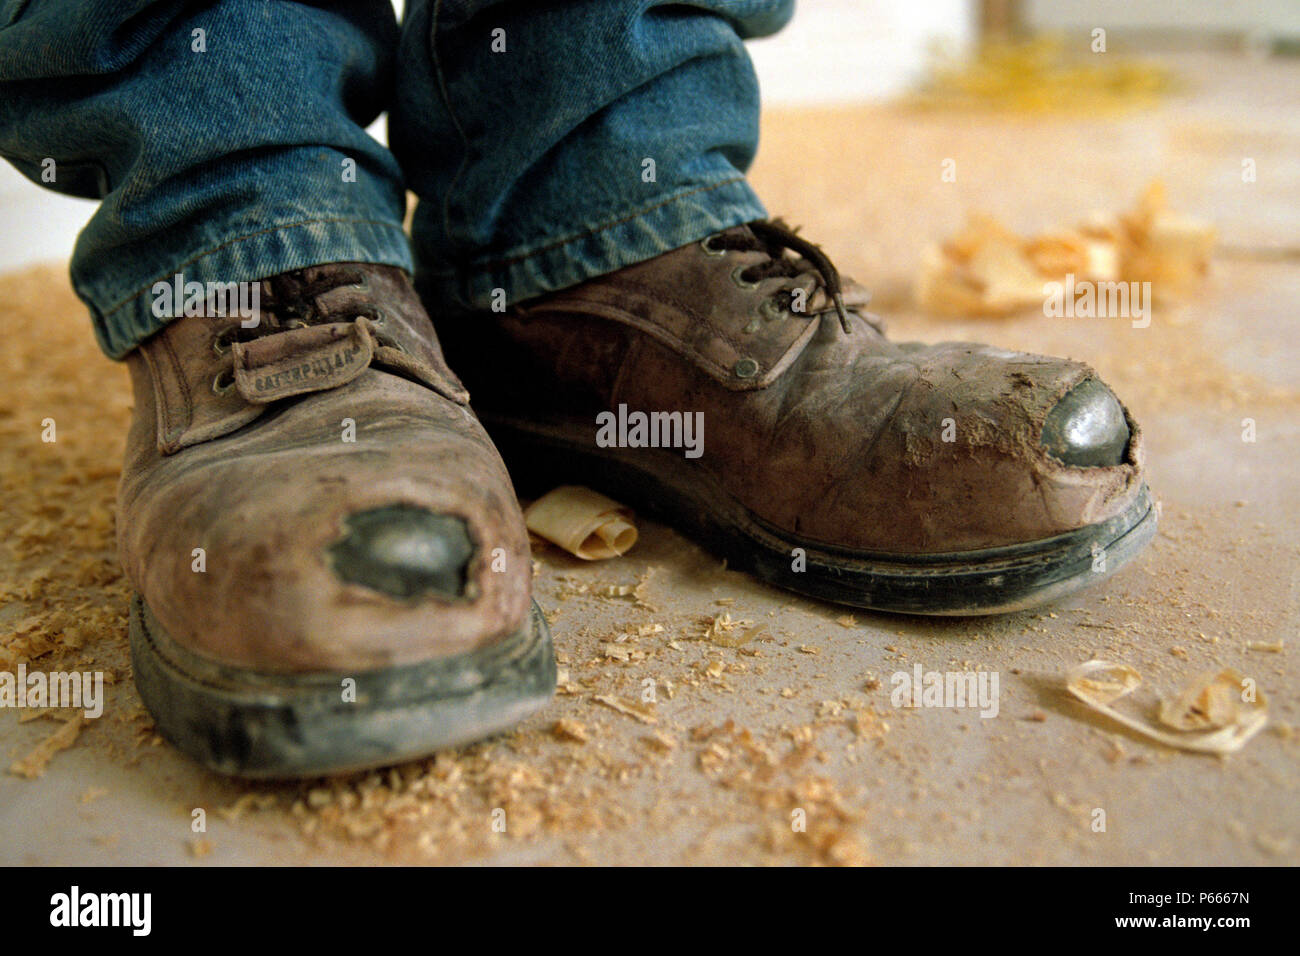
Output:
x=772 y=310
x=740 y=280
x=223 y=382
x=709 y=250
x=295 y=324
x=379 y=318
x=221 y=341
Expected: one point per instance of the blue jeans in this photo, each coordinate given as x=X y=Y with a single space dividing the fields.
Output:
x=548 y=142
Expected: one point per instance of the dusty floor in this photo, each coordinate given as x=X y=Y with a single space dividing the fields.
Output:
x=798 y=718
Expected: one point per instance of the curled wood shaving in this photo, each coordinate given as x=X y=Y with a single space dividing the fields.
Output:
x=1209 y=714
x=1210 y=702
x=582 y=522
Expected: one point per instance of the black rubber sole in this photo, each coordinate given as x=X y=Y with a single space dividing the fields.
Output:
x=988 y=581
x=256 y=724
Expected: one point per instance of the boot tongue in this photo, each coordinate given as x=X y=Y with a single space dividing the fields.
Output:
x=304 y=294
x=322 y=326
x=307 y=340
x=301 y=360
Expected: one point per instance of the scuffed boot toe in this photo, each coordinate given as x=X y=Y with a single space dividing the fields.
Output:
x=405 y=552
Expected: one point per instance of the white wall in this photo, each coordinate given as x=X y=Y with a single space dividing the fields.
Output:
x=1271 y=18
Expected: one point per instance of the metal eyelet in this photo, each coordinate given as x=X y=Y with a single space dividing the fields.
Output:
x=745 y=368
x=380 y=317
x=739 y=280
x=295 y=324
x=221 y=341
x=221 y=388
x=771 y=310
x=710 y=250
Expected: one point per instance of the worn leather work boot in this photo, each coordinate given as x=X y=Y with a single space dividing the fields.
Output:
x=362 y=592
x=930 y=479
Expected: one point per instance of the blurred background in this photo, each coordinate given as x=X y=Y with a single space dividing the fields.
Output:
x=834 y=52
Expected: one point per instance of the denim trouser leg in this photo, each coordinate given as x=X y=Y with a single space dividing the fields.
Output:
x=222 y=154
x=554 y=142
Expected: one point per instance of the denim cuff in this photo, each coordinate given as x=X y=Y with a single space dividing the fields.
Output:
x=123 y=323
x=669 y=223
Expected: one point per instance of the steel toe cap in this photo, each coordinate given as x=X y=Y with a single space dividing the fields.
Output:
x=1087 y=427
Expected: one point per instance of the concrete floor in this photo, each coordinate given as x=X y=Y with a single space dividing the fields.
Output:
x=799 y=718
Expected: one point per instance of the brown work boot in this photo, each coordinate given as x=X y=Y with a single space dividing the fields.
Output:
x=930 y=479
x=331 y=568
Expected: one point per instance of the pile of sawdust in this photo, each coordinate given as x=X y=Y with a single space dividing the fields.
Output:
x=582 y=771
x=1037 y=76
x=63 y=602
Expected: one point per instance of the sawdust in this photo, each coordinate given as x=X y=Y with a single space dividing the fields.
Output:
x=1037 y=76
x=566 y=782
x=464 y=804
x=63 y=602
x=566 y=729
x=627 y=708
x=33 y=765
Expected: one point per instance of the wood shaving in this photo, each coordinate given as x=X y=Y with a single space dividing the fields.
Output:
x=725 y=632
x=582 y=522
x=635 y=711
x=1211 y=701
x=1274 y=648
x=660 y=741
x=1101 y=683
x=987 y=270
x=622 y=652
x=33 y=765
x=567 y=729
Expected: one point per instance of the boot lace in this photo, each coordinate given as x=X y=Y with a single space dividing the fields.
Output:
x=773 y=238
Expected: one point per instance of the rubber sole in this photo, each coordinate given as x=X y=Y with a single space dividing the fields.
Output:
x=266 y=725
x=988 y=581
